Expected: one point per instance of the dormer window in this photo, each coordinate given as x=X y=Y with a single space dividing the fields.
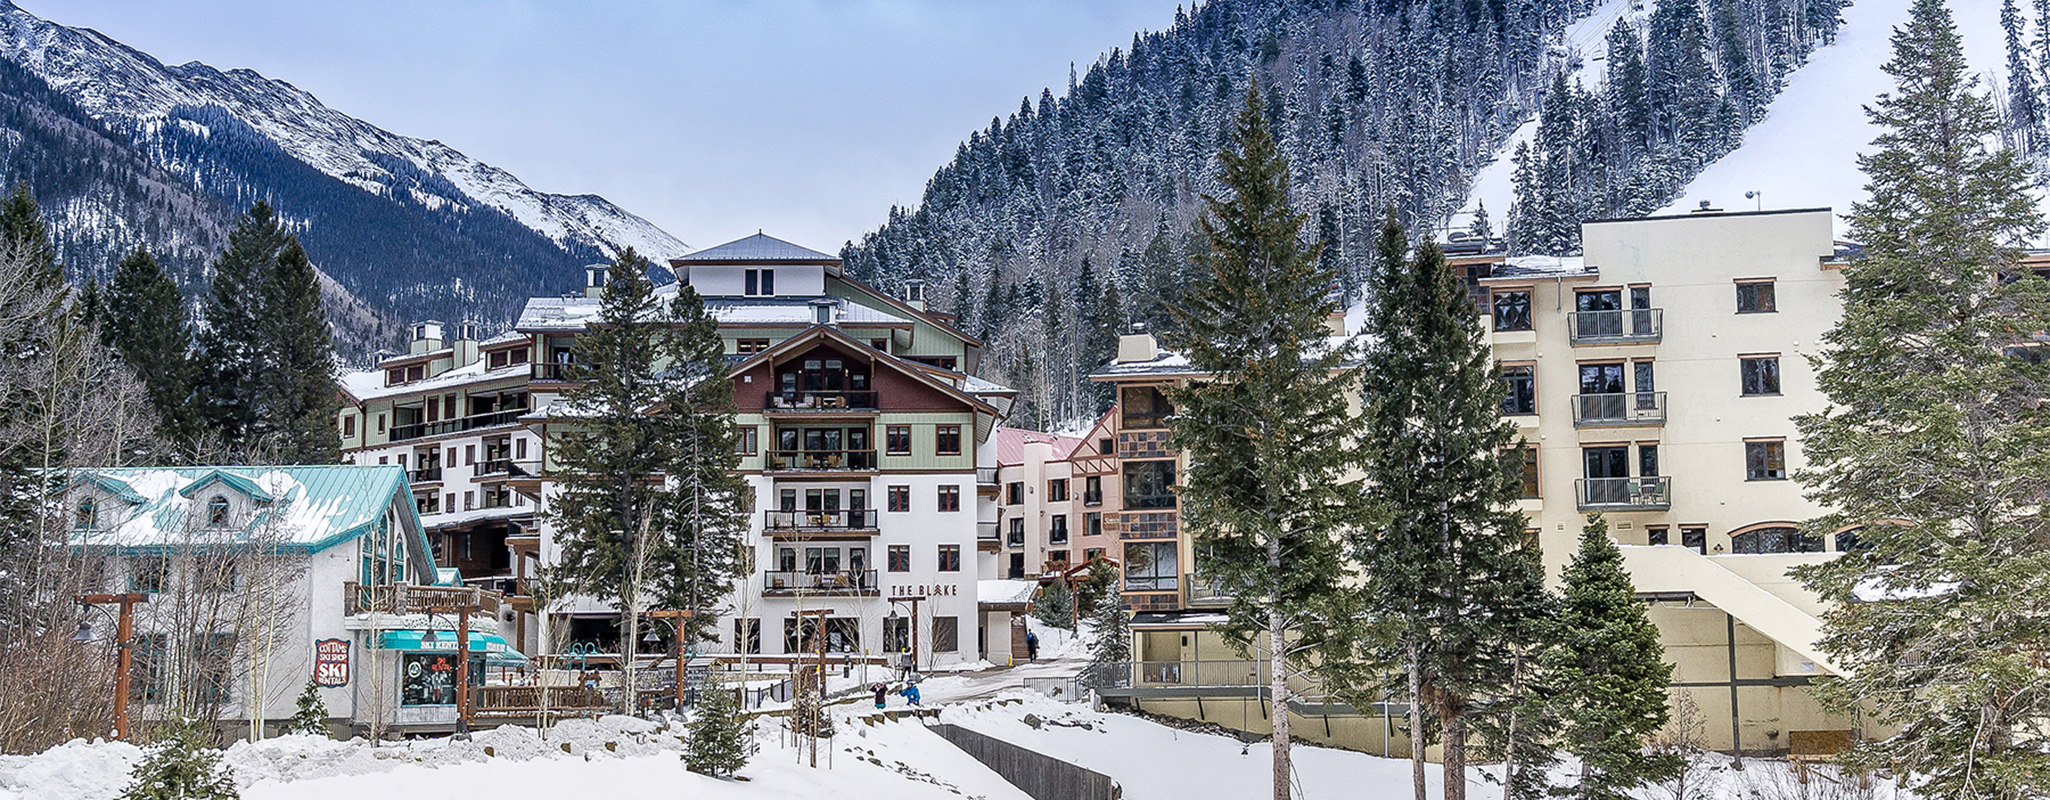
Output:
x=217 y=512
x=88 y=516
x=759 y=283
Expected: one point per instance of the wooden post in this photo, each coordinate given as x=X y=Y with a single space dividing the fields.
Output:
x=676 y=645
x=914 y=626
x=463 y=663
x=124 y=645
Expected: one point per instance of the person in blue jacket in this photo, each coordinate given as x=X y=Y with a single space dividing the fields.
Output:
x=910 y=692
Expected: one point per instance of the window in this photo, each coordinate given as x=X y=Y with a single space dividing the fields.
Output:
x=1149 y=484
x=1655 y=534
x=88 y=515
x=1755 y=297
x=1014 y=493
x=950 y=558
x=1523 y=461
x=429 y=679
x=1777 y=539
x=1057 y=530
x=348 y=426
x=1512 y=310
x=896 y=634
x=1095 y=523
x=897 y=439
x=747 y=635
x=1761 y=374
x=950 y=498
x=217 y=512
x=1695 y=538
x=380 y=423
x=1057 y=490
x=900 y=499
x=750 y=346
x=900 y=558
x=1151 y=567
x=520 y=445
x=147 y=672
x=1144 y=407
x=147 y=574
x=880 y=344
x=947 y=440
x=1016 y=538
x=1105 y=446
x=760 y=282
x=1519 y=387
x=1092 y=490
x=745 y=444
x=1765 y=460
x=946 y=634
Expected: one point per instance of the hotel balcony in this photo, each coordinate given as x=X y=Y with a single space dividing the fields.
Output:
x=844 y=583
x=834 y=521
x=1624 y=494
x=794 y=402
x=820 y=460
x=425 y=475
x=458 y=425
x=1628 y=326
x=1619 y=410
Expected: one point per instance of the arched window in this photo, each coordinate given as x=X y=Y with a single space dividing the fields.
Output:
x=88 y=515
x=217 y=512
x=1775 y=539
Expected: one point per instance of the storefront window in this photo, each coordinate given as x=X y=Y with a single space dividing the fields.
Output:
x=429 y=679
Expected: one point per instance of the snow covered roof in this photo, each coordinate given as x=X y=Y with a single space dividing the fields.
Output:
x=759 y=247
x=309 y=508
x=975 y=385
x=1010 y=443
x=369 y=384
x=1005 y=592
x=1524 y=267
x=572 y=314
x=1169 y=362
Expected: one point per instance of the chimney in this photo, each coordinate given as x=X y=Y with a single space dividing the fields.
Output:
x=464 y=340
x=1137 y=346
x=914 y=294
x=594 y=279
x=426 y=338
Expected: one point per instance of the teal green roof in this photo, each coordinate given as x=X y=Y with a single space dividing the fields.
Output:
x=307 y=508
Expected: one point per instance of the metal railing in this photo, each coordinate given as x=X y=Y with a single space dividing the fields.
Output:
x=1624 y=494
x=1618 y=409
x=839 y=519
x=1621 y=326
x=846 y=582
x=425 y=475
x=986 y=476
x=986 y=532
x=820 y=460
x=553 y=371
x=501 y=466
x=418 y=429
x=1202 y=593
x=774 y=400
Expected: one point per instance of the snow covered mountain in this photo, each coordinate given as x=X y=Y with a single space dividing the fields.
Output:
x=413 y=227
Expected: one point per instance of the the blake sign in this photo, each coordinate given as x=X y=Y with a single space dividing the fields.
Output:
x=938 y=590
x=331 y=662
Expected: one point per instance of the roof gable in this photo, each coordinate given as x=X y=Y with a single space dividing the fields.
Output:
x=247 y=487
x=818 y=334
x=308 y=508
x=761 y=248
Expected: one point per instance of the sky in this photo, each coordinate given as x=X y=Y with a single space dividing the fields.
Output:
x=806 y=119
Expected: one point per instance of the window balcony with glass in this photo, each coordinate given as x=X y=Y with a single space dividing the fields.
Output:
x=1619 y=326
x=1620 y=409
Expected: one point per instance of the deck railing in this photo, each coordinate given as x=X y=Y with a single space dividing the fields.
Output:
x=842 y=582
x=1622 y=326
x=458 y=425
x=1624 y=494
x=1619 y=409
x=775 y=400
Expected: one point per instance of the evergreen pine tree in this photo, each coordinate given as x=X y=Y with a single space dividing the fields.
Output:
x=719 y=736
x=1609 y=674
x=297 y=389
x=1110 y=652
x=1935 y=440
x=1056 y=606
x=1445 y=555
x=1264 y=496
x=704 y=513
x=148 y=326
x=22 y=230
x=2024 y=107
x=310 y=718
x=231 y=344
x=180 y=766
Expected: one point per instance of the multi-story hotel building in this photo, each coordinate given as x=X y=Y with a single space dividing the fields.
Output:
x=1053 y=493
x=1655 y=380
x=864 y=441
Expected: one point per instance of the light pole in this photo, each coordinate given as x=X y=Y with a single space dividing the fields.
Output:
x=124 y=635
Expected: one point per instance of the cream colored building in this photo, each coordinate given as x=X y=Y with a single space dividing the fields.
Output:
x=1656 y=380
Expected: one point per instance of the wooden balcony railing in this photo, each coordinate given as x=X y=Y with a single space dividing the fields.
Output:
x=406 y=598
x=819 y=401
x=525 y=701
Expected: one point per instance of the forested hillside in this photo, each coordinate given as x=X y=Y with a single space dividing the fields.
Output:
x=1074 y=215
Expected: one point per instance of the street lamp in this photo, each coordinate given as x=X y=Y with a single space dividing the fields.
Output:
x=913 y=648
x=124 y=644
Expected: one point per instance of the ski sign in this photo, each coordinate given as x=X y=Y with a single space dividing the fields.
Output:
x=331 y=662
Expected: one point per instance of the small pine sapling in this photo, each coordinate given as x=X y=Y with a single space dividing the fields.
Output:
x=719 y=736
x=180 y=766
x=311 y=717
x=1110 y=653
x=1056 y=606
x=1610 y=674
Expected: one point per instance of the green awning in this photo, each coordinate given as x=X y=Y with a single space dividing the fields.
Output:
x=493 y=646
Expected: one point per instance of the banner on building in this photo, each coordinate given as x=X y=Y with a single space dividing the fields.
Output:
x=331 y=662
